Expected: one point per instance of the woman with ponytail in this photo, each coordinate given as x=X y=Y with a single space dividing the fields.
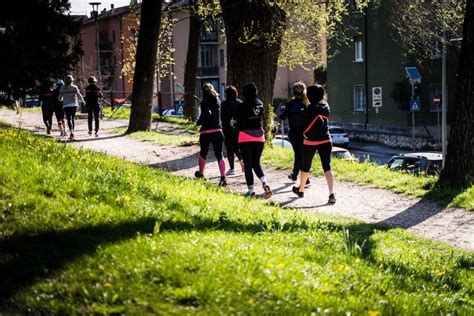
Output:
x=211 y=131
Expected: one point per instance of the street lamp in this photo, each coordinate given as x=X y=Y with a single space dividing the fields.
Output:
x=95 y=8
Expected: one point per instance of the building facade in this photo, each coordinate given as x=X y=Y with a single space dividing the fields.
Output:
x=374 y=59
x=116 y=24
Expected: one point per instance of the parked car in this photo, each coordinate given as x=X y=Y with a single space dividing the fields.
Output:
x=171 y=112
x=282 y=141
x=342 y=153
x=428 y=163
x=338 y=136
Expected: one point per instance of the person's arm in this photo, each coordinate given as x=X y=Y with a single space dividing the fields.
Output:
x=60 y=93
x=205 y=114
x=79 y=95
x=284 y=113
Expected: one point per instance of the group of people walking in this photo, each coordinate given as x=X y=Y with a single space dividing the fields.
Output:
x=63 y=100
x=239 y=125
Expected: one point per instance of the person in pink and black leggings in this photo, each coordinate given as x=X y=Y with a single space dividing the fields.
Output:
x=250 y=117
x=211 y=131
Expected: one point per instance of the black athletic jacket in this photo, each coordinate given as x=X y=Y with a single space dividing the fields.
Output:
x=92 y=95
x=295 y=111
x=46 y=99
x=317 y=123
x=229 y=110
x=210 y=117
x=58 y=105
x=250 y=115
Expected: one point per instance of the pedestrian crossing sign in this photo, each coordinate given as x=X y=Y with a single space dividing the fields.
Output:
x=415 y=105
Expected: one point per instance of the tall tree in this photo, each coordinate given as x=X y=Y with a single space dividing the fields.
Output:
x=190 y=70
x=146 y=56
x=36 y=40
x=459 y=167
x=254 y=31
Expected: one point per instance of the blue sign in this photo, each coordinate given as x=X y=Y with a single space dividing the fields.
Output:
x=415 y=105
x=179 y=108
x=413 y=74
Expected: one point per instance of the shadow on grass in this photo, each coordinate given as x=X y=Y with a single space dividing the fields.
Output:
x=178 y=164
x=27 y=258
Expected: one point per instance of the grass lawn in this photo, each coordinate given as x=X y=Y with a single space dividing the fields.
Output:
x=84 y=233
x=372 y=175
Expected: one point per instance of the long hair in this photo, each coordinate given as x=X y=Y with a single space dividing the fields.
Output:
x=299 y=92
x=208 y=91
x=250 y=91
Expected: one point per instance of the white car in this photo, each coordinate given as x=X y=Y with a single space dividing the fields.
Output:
x=282 y=141
x=338 y=136
x=170 y=112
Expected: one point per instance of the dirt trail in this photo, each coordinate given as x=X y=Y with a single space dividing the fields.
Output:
x=422 y=217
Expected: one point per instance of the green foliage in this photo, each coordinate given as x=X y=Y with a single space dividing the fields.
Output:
x=84 y=233
x=401 y=93
x=38 y=41
x=374 y=175
x=320 y=74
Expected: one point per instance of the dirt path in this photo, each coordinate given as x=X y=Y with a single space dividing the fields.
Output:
x=422 y=217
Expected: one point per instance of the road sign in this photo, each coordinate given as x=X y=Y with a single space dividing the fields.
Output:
x=413 y=74
x=377 y=97
x=415 y=105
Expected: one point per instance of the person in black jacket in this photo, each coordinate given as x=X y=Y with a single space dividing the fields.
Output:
x=47 y=106
x=211 y=131
x=295 y=111
x=58 y=108
x=317 y=138
x=229 y=109
x=249 y=123
x=92 y=104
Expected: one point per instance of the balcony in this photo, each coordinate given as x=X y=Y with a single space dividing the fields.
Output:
x=209 y=37
x=105 y=46
x=212 y=71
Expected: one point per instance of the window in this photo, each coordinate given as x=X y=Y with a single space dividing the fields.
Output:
x=436 y=49
x=358 y=50
x=436 y=96
x=207 y=56
x=359 y=99
x=221 y=57
x=113 y=36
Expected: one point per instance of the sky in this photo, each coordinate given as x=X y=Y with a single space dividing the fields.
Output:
x=83 y=6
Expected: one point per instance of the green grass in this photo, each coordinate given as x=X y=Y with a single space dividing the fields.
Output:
x=370 y=174
x=84 y=233
x=182 y=139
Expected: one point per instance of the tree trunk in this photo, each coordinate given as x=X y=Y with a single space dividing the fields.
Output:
x=145 y=64
x=254 y=31
x=459 y=165
x=190 y=70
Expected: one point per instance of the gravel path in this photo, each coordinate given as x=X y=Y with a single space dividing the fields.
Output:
x=420 y=216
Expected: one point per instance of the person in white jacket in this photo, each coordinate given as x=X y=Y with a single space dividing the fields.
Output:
x=70 y=95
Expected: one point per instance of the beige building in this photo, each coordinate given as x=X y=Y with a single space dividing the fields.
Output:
x=116 y=24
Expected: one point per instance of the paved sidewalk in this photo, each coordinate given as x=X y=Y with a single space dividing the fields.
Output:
x=422 y=217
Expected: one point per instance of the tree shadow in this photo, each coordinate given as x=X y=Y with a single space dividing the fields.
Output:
x=182 y=163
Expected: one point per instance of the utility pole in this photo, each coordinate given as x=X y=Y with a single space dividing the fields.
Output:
x=443 y=93
x=95 y=8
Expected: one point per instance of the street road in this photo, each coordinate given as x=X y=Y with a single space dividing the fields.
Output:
x=374 y=152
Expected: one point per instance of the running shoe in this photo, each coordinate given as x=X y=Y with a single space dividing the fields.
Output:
x=332 y=198
x=90 y=133
x=308 y=183
x=230 y=172
x=268 y=192
x=296 y=190
x=249 y=193
x=292 y=176
x=198 y=174
x=96 y=133
x=223 y=182
x=71 y=137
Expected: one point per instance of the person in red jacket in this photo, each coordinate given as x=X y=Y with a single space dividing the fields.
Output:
x=316 y=138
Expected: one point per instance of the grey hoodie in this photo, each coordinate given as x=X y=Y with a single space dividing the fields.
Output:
x=70 y=95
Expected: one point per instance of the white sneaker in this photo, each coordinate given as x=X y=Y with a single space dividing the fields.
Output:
x=230 y=172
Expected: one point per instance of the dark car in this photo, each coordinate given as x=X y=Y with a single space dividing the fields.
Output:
x=428 y=163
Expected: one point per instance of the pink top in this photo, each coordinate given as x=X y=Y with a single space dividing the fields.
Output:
x=209 y=131
x=252 y=136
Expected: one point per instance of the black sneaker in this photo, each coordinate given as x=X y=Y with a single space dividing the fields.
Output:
x=292 y=176
x=308 y=183
x=332 y=199
x=223 y=182
x=249 y=194
x=198 y=174
x=296 y=190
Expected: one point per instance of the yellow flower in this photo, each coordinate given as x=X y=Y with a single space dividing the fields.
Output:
x=357 y=260
x=374 y=313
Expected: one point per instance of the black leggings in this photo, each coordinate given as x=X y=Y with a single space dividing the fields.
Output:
x=231 y=145
x=251 y=153
x=296 y=140
x=217 y=140
x=324 y=152
x=93 y=111
x=59 y=113
x=70 y=114
x=47 y=112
